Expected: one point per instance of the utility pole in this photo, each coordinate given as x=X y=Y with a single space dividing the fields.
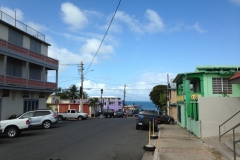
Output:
x=81 y=96
x=124 y=91
x=168 y=95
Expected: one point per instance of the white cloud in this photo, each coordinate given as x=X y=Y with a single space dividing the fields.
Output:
x=10 y=12
x=196 y=27
x=155 y=24
x=36 y=26
x=91 y=47
x=237 y=2
x=73 y=16
x=131 y=22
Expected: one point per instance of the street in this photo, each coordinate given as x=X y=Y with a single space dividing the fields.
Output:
x=92 y=139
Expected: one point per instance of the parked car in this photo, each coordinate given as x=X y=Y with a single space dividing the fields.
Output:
x=144 y=117
x=72 y=113
x=164 y=118
x=107 y=113
x=43 y=117
x=13 y=127
x=119 y=114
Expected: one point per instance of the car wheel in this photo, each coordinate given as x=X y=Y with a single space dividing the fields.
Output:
x=46 y=124
x=12 y=132
x=60 y=118
x=146 y=120
x=171 y=121
x=108 y=116
x=80 y=118
x=137 y=127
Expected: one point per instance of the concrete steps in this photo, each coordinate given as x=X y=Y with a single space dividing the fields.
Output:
x=227 y=152
x=226 y=149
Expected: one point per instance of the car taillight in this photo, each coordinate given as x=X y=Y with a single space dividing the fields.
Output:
x=137 y=118
x=27 y=122
x=156 y=120
x=54 y=115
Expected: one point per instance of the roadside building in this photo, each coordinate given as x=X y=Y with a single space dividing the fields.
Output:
x=206 y=99
x=24 y=67
x=109 y=102
x=172 y=108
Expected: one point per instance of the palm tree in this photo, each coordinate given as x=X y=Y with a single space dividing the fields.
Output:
x=93 y=102
x=73 y=91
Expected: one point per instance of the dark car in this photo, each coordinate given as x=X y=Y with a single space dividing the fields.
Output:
x=164 y=118
x=145 y=118
x=119 y=114
x=108 y=113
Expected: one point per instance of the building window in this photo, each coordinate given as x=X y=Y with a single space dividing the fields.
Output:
x=221 y=86
x=5 y=93
x=14 y=67
x=35 y=46
x=30 y=105
x=15 y=37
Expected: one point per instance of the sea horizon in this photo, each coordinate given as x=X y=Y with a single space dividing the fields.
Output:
x=142 y=104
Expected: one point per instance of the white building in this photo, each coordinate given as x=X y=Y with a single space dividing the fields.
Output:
x=24 y=65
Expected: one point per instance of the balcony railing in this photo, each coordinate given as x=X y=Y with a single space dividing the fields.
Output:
x=12 y=21
x=16 y=81
x=29 y=53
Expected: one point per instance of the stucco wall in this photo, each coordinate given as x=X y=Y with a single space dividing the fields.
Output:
x=4 y=32
x=208 y=86
x=14 y=103
x=213 y=111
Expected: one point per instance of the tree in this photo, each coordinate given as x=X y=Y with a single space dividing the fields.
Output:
x=163 y=101
x=93 y=102
x=155 y=95
x=73 y=91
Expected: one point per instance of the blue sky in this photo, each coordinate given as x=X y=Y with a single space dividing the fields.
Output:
x=147 y=39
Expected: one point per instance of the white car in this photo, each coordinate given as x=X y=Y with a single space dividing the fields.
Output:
x=13 y=127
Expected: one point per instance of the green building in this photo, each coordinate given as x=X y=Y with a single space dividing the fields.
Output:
x=205 y=99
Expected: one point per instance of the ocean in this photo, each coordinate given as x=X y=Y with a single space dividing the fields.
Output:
x=146 y=105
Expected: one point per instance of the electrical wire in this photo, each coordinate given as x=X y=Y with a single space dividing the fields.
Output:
x=103 y=37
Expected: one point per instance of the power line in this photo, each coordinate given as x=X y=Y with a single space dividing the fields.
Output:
x=103 y=37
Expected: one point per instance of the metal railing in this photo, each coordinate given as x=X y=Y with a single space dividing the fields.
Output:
x=14 y=22
x=233 y=128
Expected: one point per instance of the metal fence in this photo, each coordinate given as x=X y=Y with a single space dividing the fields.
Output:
x=14 y=22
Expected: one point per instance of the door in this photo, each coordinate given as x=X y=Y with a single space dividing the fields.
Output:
x=38 y=117
x=71 y=114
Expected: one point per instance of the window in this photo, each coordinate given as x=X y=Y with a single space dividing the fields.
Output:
x=30 y=105
x=15 y=37
x=35 y=72
x=14 y=67
x=35 y=46
x=221 y=86
x=5 y=93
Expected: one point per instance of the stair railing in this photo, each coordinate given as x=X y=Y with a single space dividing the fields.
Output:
x=235 y=141
x=220 y=135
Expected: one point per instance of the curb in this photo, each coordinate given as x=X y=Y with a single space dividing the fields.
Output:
x=156 y=155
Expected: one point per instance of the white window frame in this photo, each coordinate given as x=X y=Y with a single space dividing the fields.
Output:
x=221 y=86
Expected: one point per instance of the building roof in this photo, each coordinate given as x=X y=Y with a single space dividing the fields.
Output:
x=209 y=69
x=235 y=79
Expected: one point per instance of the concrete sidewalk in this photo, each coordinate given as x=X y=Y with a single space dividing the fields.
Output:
x=175 y=142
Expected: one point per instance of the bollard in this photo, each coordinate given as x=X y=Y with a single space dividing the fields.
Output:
x=153 y=136
x=149 y=147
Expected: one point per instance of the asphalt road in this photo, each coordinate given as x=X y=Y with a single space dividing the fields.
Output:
x=92 y=139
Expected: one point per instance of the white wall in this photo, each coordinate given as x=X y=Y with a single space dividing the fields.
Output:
x=26 y=42
x=213 y=111
x=14 y=103
x=3 y=32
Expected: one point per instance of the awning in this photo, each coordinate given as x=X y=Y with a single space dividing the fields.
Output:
x=235 y=79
